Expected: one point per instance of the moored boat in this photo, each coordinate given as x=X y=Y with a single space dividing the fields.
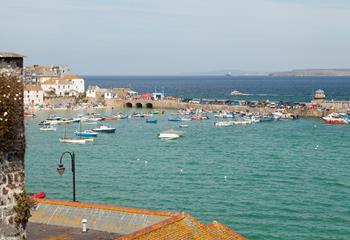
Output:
x=72 y=140
x=151 y=120
x=48 y=128
x=170 y=134
x=334 y=118
x=86 y=133
x=223 y=124
x=104 y=129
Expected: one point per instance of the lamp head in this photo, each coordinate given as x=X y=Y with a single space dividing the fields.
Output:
x=60 y=169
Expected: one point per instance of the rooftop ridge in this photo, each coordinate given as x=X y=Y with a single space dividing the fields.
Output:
x=154 y=227
x=108 y=207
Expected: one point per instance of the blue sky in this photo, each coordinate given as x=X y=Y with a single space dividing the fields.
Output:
x=126 y=37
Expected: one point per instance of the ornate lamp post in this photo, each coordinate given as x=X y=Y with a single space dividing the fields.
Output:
x=61 y=168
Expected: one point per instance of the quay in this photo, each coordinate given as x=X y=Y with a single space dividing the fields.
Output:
x=301 y=110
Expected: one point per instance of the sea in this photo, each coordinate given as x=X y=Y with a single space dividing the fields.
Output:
x=275 y=180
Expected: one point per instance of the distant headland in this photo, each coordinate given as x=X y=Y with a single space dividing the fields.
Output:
x=313 y=73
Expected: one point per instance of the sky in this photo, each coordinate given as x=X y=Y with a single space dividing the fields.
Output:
x=162 y=37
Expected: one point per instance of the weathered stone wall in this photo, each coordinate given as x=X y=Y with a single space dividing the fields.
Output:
x=12 y=146
x=11 y=65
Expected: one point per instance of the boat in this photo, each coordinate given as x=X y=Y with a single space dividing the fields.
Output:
x=111 y=118
x=334 y=118
x=151 y=120
x=86 y=133
x=242 y=122
x=266 y=119
x=104 y=129
x=237 y=93
x=170 y=134
x=183 y=126
x=223 y=124
x=38 y=195
x=48 y=128
x=175 y=119
x=72 y=140
x=185 y=119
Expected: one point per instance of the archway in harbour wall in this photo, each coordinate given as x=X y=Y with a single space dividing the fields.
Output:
x=128 y=105
x=149 y=105
x=139 y=105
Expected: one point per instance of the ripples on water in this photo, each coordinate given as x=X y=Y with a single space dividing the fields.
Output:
x=278 y=185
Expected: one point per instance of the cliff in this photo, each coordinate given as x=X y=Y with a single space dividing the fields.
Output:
x=313 y=73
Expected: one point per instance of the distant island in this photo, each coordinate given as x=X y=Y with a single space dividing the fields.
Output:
x=313 y=73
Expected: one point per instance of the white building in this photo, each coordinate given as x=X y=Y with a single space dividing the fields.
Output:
x=33 y=95
x=66 y=86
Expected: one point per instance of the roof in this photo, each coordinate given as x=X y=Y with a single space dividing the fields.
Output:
x=30 y=87
x=70 y=77
x=128 y=223
x=10 y=55
x=54 y=81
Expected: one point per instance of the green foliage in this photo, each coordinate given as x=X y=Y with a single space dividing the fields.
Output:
x=22 y=209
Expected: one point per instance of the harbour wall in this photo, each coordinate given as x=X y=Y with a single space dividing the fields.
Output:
x=168 y=104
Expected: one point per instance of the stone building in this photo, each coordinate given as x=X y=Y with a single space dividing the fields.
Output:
x=12 y=143
x=11 y=62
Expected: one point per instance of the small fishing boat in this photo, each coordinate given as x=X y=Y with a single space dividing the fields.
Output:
x=223 y=124
x=48 y=128
x=334 y=118
x=151 y=120
x=72 y=140
x=266 y=119
x=175 y=119
x=183 y=126
x=170 y=134
x=104 y=129
x=111 y=118
x=86 y=133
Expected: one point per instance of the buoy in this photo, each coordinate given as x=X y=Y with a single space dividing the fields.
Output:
x=138 y=159
x=181 y=170
x=225 y=178
x=146 y=162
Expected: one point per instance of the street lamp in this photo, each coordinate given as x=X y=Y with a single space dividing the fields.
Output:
x=61 y=168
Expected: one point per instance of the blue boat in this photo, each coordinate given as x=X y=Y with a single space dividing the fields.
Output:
x=151 y=121
x=87 y=133
x=176 y=119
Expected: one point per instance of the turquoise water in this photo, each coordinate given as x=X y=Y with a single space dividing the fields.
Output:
x=279 y=185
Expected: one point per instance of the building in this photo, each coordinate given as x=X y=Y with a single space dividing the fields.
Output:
x=11 y=63
x=67 y=86
x=158 y=96
x=110 y=93
x=39 y=74
x=33 y=95
x=54 y=219
x=319 y=95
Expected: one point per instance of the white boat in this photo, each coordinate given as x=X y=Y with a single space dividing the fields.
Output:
x=104 y=129
x=223 y=124
x=170 y=134
x=242 y=122
x=72 y=140
x=183 y=126
x=48 y=128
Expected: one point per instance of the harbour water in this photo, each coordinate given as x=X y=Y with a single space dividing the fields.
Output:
x=284 y=179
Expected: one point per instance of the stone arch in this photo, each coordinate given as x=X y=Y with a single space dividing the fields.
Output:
x=149 y=105
x=128 y=104
x=139 y=105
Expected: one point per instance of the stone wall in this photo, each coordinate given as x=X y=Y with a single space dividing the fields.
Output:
x=12 y=146
x=11 y=65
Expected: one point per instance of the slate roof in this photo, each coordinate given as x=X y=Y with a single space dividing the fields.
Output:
x=10 y=55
